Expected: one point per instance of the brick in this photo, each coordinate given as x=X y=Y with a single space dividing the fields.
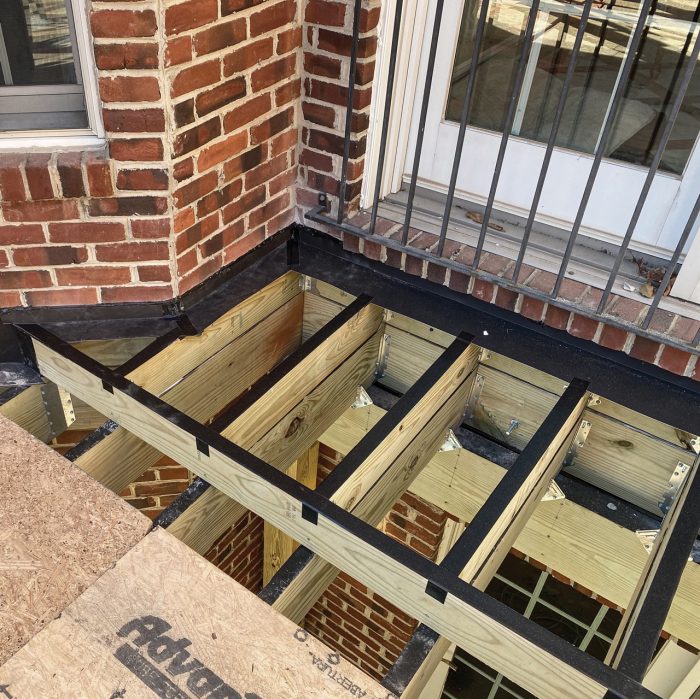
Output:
x=141 y=149
x=274 y=72
x=11 y=183
x=329 y=14
x=84 y=232
x=196 y=233
x=333 y=143
x=184 y=169
x=332 y=93
x=122 y=23
x=319 y=114
x=132 y=252
x=220 y=36
x=196 y=189
x=25 y=234
x=223 y=94
x=62 y=297
x=266 y=171
x=272 y=126
x=184 y=113
x=217 y=153
x=70 y=174
x=645 y=349
x=531 y=308
x=48 y=256
x=126 y=56
x=25 y=279
x=128 y=206
x=369 y=19
x=243 y=246
x=151 y=228
x=229 y=6
x=10 y=299
x=38 y=176
x=324 y=66
x=270 y=209
x=341 y=44
x=90 y=275
x=190 y=15
x=183 y=219
x=99 y=175
x=289 y=40
x=289 y=91
x=152 y=273
x=134 y=120
x=247 y=112
x=583 y=327
x=142 y=179
x=51 y=210
x=674 y=359
x=204 y=271
x=125 y=294
x=247 y=56
x=613 y=338
x=178 y=50
x=483 y=290
x=196 y=137
x=194 y=77
x=556 y=317
x=272 y=17
x=127 y=88
x=244 y=162
x=505 y=298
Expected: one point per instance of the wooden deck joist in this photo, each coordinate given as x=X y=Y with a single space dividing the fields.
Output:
x=480 y=550
x=638 y=634
x=599 y=554
x=382 y=466
x=283 y=414
x=496 y=635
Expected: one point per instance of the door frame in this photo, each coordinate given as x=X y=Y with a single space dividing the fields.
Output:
x=401 y=134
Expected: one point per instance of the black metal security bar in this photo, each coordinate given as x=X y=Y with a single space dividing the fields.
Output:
x=664 y=125
x=85 y=376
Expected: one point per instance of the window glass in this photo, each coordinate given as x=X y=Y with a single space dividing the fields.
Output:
x=40 y=81
x=665 y=46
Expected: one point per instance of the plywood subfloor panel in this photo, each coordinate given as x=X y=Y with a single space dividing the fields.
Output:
x=165 y=618
x=59 y=531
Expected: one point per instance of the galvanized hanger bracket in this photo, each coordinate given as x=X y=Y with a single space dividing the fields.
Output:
x=578 y=442
x=484 y=355
x=695 y=444
x=593 y=400
x=554 y=492
x=474 y=396
x=383 y=356
x=307 y=283
x=451 y=443
x=363 y=399
x=648 y=537
x=674 y=483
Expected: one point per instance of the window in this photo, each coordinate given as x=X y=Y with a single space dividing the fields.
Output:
x=44 y=84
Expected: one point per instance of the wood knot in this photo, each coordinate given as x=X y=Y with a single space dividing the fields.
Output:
x=294 y=426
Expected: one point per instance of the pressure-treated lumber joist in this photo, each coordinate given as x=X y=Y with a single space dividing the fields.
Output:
x=480 y=550
x=370 y=479
x=278 y=546
x=284 y=414
x=638 y=634
x=201 y=374
x=43 y=410
x=538 y=661
x=579 y=544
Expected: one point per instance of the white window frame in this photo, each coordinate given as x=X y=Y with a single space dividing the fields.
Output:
x=92 y=137
x=416 y=29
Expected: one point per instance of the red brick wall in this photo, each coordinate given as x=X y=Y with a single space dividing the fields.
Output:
x=239 y=552
x=89 y=227
x=233 y=83
x=363 y=626
x=326 y=50
x=199 y=102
